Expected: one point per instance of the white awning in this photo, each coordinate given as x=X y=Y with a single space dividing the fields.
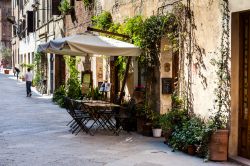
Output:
x=80 y=44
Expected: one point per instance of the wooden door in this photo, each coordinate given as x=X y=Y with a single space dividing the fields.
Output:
x=244 y=115
x=59 y=71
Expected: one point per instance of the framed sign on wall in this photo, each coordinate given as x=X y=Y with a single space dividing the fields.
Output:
x=167 y=85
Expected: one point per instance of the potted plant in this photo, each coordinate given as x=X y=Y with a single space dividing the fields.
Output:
x=141 y=116
x=156 y=124
x=193 y=130
x=172 y=120
x=218 y=145
x=166 y=125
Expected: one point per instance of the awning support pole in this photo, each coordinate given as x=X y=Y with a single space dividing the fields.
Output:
x=124 y=80
x=107 y=32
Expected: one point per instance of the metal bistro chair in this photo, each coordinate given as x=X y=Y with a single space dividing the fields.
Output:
x=85 y=118
x=95 y=119
x=78 y=118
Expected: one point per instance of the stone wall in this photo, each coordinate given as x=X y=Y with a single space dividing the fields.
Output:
x=79 y=20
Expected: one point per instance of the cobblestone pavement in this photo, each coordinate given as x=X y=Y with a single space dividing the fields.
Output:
x=33 y=132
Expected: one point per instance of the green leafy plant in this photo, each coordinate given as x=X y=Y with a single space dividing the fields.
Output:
x=103 y=21
x=173 y=118
x=5 y=56
x=155 y=119
x=65 y=7
x=95 y=94
x=177 y=101
x=31 y=66
x=188 y=133
x=73 y=85
x=37 y=68
x=59 y=95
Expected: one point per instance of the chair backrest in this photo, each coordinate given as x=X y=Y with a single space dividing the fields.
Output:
x=69 y=106
x=67 y=101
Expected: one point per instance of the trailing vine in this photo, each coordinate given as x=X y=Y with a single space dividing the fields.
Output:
x=73 y=85
x=222 y=91
x=37 y=67
x=147 y=35
x=154 y=29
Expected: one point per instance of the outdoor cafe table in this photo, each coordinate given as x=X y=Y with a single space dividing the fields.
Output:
x=102 y=113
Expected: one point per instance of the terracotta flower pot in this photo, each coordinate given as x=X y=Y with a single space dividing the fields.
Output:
x=191 y=149
x=167 y=135
x=218 y=147
x=6 y=71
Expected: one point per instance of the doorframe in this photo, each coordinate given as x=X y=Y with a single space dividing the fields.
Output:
x=235 y=81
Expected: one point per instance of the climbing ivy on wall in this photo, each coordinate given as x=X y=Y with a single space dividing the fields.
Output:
x=73 y=85
x=146 y=34
x=222 y=91
x=38 y=72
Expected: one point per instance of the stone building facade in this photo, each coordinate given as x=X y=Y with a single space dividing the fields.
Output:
x=5 y=26
x=201 y=74
x=35 y=24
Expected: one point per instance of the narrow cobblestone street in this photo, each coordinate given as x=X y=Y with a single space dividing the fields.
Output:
x=33 y=132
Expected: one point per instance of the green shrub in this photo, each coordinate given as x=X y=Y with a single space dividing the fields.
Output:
x=58 y=96
x=174 y=118
x=65 y=7
x=73 y=88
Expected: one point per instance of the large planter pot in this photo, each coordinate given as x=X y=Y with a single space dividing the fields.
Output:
x=191 y=149
x=139 y=123
x=157 y=132
x=167 y=135
x=6 y=71
x=218 y=146
x=147 y=130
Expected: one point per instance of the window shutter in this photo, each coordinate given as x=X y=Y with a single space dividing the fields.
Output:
x=14 y=30
x=30 y=21
x=23 y=29
x=55 y=10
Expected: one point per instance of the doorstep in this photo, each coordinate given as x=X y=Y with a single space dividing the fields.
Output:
x=240 y=160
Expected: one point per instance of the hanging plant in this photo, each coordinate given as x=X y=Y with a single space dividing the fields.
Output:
x=65 y=7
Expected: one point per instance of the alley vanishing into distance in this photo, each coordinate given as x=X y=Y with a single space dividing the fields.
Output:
x=33 y=132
